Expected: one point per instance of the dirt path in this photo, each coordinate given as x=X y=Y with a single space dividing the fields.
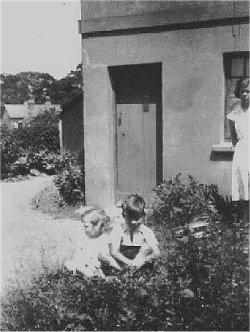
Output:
x=30 y=239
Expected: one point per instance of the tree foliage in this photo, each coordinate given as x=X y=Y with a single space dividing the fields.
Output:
x=16 y=89
x=38 y=142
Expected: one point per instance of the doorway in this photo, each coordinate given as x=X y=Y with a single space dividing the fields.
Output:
x=138 y=119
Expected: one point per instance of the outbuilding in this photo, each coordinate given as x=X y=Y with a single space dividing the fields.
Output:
x=159 y=78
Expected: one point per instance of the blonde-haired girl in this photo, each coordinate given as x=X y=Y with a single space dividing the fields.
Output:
x=93 y=247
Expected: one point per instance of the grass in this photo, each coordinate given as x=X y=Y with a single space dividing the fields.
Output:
x=31 y=240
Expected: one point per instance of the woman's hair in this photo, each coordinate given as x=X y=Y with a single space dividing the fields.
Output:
x=133 y=207
x=241 y=84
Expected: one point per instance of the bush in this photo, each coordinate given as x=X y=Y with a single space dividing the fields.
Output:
x=38 y=141
x=10 y=152
x=228 y=209
x=70 y=181
x=65 y=302
x=50 y=201
x=43 y=132
x=201 y=285
x=177 y=202
x=215 y=268
x=45 y=161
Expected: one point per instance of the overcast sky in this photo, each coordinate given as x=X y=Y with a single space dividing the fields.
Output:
x=40 y=36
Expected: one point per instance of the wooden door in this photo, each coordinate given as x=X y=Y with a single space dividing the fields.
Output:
x=136 y=148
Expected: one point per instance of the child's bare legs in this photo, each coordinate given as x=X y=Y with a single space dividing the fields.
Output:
x=104 y=257
x=85 y=270
x=144 y=256
x=90 y=272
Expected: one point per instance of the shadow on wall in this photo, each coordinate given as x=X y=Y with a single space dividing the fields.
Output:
x=180 y=97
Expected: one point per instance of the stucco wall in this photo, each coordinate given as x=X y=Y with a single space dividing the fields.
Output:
x=192 y=97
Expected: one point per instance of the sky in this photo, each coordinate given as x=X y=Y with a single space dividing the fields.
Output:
x=40 y=36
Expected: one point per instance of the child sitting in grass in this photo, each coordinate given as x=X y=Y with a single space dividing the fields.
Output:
x=93 y=247
x=131 y=242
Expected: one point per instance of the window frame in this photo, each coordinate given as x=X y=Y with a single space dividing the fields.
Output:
x=227 y=64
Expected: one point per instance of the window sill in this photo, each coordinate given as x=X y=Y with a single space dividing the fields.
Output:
x=223 y=147
x=222 y=152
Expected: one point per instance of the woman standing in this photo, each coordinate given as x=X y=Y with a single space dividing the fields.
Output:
x=239 y=125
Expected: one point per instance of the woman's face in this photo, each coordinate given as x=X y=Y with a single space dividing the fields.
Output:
x=245 y=96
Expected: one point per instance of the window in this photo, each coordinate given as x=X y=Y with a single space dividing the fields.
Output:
x=236 y=65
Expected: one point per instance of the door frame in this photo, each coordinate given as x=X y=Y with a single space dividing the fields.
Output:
x=159 y=123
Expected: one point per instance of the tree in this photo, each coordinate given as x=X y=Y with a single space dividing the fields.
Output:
x=16 y=89
x=67 y=87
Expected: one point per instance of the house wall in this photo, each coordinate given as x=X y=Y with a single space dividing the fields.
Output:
x=6 y=121
x=192 y=98
x=99 y=16
x=15 y=122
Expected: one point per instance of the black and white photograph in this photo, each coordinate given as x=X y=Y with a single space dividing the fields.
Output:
x=125 y=165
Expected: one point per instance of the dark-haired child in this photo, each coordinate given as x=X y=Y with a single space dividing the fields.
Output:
x=131 y=242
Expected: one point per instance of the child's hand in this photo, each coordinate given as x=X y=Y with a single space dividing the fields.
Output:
x=70 y=266
x=111 y=279
x=132 y=264
x=138 y=262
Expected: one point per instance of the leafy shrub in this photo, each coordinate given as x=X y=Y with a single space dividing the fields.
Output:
x=10 y=152
x=42 y=132
x=215 y=268
x=201 y=285
x=70 y=181
x=50 y=201
x=45 y=161
x=38 y=141
x=177 y=202
x=65 y=302
x=228 y=209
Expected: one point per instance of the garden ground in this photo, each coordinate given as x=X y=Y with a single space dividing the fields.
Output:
x=30 y=239
x=199 y=283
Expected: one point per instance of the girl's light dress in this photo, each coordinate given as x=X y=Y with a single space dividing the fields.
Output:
x=240 y=164
x=85 y=259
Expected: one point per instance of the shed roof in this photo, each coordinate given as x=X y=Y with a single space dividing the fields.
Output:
x=16 y=111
